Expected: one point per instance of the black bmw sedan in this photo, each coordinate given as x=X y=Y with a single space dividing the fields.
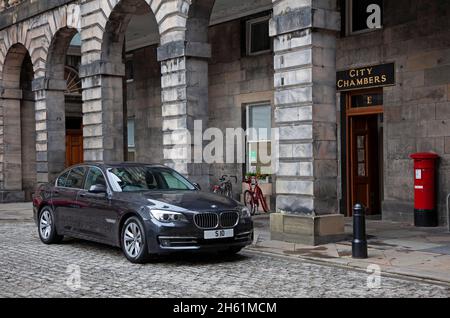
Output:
x=146 y=210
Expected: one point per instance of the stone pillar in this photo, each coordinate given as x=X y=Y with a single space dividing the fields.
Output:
x=50 y=128
x=103 y=125
x=304 y=33
x=10 y=146
x=184 y=70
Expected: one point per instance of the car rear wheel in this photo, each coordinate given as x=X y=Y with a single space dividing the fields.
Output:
x=47 y=227
x=134 y=241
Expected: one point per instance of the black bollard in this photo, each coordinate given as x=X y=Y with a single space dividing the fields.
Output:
x=359 y=243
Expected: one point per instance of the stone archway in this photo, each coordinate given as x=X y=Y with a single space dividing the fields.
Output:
x=105 y=90
x=183 y=56
x=130 y=41
x=54 y=156
x=33 y=38
x=19 y=134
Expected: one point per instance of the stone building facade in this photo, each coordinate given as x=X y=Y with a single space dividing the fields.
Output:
x=149 y=68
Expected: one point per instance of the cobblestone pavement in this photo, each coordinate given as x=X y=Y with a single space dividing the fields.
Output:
x=29 y=268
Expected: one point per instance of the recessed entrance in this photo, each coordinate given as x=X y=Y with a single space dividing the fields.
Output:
x=364 y=156
x=74 y=141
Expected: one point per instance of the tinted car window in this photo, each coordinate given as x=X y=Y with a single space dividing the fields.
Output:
x=61 y=182
x=75 y=178
x=94 y=177
x=172 y=181
x=144 y=178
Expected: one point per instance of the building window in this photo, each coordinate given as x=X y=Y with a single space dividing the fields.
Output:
x=259 y=125
x=258 y=40
x=129 y=68
x=363 y=16
x=131 y=139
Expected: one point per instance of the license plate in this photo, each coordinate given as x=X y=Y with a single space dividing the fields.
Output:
x=218 y=234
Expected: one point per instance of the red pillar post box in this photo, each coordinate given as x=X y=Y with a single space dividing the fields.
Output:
x=425 y=213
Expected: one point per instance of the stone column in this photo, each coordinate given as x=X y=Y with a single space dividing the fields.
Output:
x=184 y=70
x=304 y=33
x=10 y=146
x=50 y=128
x=103 y=125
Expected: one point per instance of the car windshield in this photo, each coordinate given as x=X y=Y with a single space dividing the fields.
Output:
x=145 y=178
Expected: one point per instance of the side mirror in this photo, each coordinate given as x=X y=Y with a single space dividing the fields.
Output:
x=197 y=186
x=97 y=189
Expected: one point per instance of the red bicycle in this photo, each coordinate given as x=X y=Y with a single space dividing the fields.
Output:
x=253 y=197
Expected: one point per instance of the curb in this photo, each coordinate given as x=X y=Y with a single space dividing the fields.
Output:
x=385 y=272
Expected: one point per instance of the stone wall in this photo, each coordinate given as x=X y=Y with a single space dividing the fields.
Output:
x=416 y=36
x=235 y=80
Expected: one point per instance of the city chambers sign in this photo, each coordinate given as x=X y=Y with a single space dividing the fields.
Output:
x=366 y=77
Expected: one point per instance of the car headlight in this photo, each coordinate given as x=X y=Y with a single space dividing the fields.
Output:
x=245 y=213
x=167 y=216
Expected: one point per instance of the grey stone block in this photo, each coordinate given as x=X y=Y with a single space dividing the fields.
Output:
x=12 y=196
x=295 y=20
x=308 y=230
x=178 y=49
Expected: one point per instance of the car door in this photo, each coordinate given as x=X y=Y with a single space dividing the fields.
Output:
x=64 y=199
x=99 y=218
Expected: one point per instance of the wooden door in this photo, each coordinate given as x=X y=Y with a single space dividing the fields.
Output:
x=74 y=147
x=364 y=165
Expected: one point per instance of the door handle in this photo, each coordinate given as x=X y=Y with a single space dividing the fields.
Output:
x=83 y=195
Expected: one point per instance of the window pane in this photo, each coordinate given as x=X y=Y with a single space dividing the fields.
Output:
x=95 y=177
x=260 y=118
x=76 y=40
x=131 y=129
x=75 y=179
x=360 y=15
x=361 y=170
x=142 y=178
x=259 y=157
x=259 y=38
x=173 y=182
x=129 y=69
x=62 y=180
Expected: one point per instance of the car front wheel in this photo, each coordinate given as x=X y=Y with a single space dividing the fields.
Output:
x=47 y=227
x=134 y=241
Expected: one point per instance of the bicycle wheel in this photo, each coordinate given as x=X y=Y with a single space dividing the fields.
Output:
x=229 y=190
x=249 y=202
x=262 y=199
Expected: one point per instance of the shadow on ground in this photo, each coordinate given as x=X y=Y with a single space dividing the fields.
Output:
x=177 y=258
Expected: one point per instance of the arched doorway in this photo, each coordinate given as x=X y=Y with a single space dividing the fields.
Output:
x=73 y=104
x=19 y=126
x=64 y=101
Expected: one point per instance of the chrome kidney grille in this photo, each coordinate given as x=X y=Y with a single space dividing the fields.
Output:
x=212 y=220
x=206 y=220
x=229 y=219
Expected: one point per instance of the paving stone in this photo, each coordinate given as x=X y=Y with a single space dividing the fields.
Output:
x=31 y=269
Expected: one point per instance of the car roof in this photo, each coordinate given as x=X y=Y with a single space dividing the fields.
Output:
x=117 y=165
x=132 y=164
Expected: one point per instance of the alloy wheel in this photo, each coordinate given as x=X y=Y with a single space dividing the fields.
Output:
x=132 y=240
x=45 y=225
